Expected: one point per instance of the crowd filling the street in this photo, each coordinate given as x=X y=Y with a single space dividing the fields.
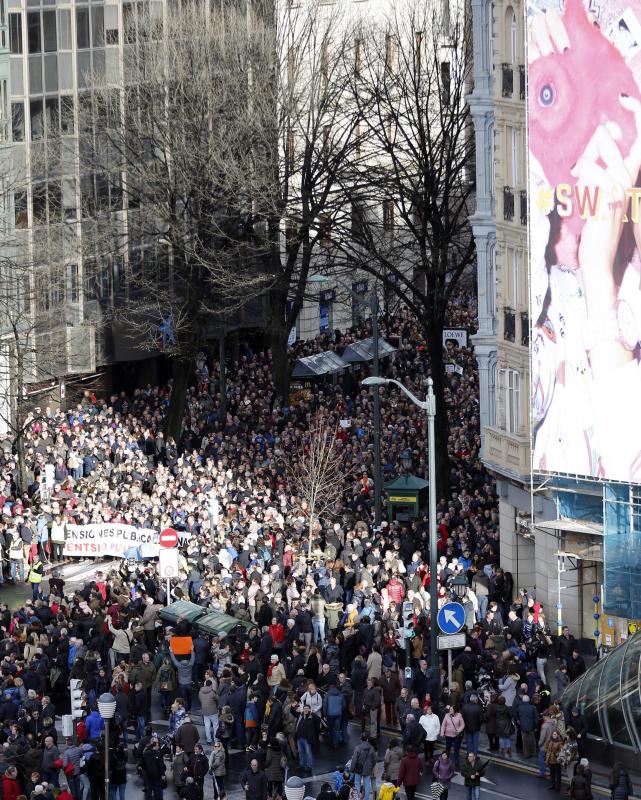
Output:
x=325 y=662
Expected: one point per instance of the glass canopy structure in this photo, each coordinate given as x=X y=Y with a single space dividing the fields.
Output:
x=609 y=694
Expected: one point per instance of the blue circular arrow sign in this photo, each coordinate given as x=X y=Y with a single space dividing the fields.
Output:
x=451 y=618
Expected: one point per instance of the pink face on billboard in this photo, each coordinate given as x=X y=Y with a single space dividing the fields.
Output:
x=571 y=93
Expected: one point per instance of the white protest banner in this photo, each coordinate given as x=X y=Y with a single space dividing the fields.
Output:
x=456 y=335
x=92 y=541
x=450 y=368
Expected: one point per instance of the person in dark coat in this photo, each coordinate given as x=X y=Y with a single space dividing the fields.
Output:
x=620 y=783
x=254 y=782
x=472 y=714
x=409 y=772
x=153 y=769
x=580 y=788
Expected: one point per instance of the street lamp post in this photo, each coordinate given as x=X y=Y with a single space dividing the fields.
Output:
x=107 y=709
x=429 y=406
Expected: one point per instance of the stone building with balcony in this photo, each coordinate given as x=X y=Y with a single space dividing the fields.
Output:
x=498 y=109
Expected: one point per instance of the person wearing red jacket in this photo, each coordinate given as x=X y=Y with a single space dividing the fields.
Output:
x=409 y=772
x=10 y=785
x=395 y=591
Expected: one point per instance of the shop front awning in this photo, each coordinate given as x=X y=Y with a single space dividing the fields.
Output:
x=571 y=526
x=363 y=351
x=326 y=363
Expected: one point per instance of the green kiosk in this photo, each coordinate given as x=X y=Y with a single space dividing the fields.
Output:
x=406 y=497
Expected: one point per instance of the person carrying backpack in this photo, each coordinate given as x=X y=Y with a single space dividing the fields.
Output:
x=363 y=761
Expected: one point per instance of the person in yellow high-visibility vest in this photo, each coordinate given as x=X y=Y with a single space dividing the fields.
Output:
x=35 y=576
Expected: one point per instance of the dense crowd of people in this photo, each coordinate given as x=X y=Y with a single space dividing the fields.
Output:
x=320 y=648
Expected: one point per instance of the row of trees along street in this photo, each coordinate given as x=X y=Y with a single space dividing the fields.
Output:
x=249 y=147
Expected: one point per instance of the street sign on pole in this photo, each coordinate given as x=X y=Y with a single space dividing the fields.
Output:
x=451 y=618
x=168 y=566
x=449 y=642
x=168 y=538
x=452 y=641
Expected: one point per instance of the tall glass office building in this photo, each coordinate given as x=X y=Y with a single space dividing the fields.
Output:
x=609 y=694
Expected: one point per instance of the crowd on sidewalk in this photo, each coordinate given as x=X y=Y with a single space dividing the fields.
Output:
x=325 y=649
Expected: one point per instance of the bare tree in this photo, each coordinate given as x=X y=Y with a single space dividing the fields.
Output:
x=317 y=472
x=409 y=196
x=39 y=345
x=176 y=142
x=316 y=135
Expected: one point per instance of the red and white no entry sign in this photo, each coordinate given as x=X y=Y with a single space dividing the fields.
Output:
x=168 y=538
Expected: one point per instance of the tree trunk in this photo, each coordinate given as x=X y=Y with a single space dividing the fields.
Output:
x=21 y=478
x=278 y=335
x=181 y=369
x=434 y=340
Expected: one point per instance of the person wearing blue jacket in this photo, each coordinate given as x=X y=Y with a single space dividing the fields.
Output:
x=94 y=724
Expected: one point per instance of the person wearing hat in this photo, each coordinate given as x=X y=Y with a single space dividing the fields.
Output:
x=275 y=672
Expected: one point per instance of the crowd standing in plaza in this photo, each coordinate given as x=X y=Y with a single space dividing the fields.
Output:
x=322 y=651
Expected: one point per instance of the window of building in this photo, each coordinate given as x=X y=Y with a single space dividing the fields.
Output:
x=69 y=198
x=49 y=31
x=66 y=114
x=37 y=124
x=516 y=278
x=514 y=148
x=97 y=26
x=446 y=82
x=52 y=117
x=324 y=58
x=491 y=281
x=42 y=292
x=39 y=203
x=21 y=215
x=445 y=11
x=390 y=53
x=326 y=140
x=514 y=42
x=635 y=509
x=512 y=399
x=64 y=29
x=33 y=32
x=358 y=55
x=492 y=390
x=17 y=120
x=388 y=215
x=82 y=28
x=15 y=33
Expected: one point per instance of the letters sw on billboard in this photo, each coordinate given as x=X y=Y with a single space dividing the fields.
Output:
x=584 y=125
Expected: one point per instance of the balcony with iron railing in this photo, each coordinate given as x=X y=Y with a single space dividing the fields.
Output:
x=508 y=203
x=507 y=80
x=521 y=82
x=509 y=324
x=525 y=329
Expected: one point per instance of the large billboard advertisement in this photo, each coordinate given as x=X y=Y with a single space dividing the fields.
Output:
x=584 y=140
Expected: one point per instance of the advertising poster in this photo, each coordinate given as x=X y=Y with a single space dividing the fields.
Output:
x=584 y=139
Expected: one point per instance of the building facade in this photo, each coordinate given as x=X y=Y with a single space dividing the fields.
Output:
x=543 y=557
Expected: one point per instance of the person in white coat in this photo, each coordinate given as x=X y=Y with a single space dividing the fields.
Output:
x=431 y=724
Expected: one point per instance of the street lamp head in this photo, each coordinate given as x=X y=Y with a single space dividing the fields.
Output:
x=406 y=459
x=107 y=705
x=374 y=381
x=460 y=585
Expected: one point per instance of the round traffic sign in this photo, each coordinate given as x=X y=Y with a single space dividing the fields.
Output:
x=168 y=538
